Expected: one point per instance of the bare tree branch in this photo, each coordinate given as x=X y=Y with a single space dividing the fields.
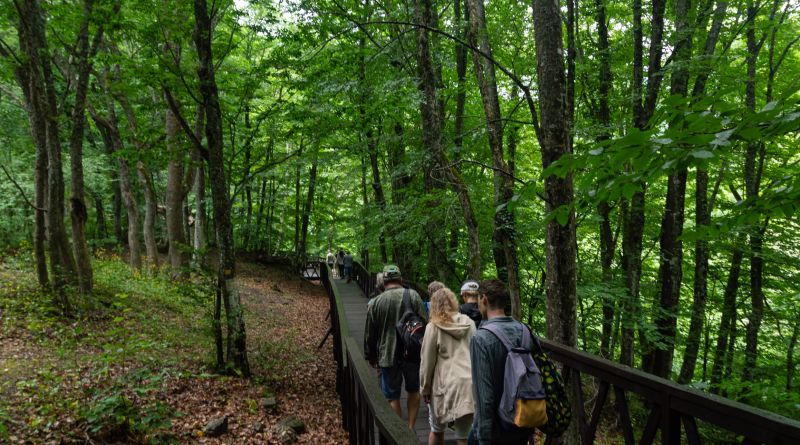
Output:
x=176 y=110
x=21 y=192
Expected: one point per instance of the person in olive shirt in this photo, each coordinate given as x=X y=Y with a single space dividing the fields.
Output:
x=380 y=343
x=488 y=357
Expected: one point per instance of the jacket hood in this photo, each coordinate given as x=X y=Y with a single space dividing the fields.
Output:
x=459 y=328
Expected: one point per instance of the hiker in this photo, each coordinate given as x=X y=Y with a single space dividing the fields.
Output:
x=488 y=356
x=469 y=292
x=444 y=373
x=340 y=263
x=379 y=288
x=432 y=288
x=331 y=260
x=380 y=338
x=348 y=265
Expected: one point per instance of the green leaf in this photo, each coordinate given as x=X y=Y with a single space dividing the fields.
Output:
x=702 y=154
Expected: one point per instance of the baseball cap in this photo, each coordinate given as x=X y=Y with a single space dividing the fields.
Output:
x=469 y=286
x=391 y=272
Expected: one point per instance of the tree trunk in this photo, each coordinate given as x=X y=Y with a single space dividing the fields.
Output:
x=633 y=228
x=39 y=135
x=199 y=188
x=307 y=207
x=553 y=140
x=178 y=259
x=297 y=208
x=119 y=232
x=671 y=246
x=150 y=213
x=79 y=213
x=700 y=288
x=237 y=349
x=401 y=251
x=727 y=323
x=438 y=267
x=702 y=219
x=504 y=224
x=248 y=192
x=461 y=73
x=42 y=96
x=790 y=368
x=101 y=231
x=754 y=159
x=109 y=130
x=607 y=242
x=150 y=201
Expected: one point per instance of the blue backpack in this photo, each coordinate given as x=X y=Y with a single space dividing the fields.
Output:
x=523 y=403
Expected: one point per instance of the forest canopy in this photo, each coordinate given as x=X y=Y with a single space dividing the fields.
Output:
x=630 y=170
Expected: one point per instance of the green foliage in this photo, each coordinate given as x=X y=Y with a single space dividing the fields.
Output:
x=118 y=410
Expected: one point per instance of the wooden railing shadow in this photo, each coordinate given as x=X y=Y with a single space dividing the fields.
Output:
x=365 y=414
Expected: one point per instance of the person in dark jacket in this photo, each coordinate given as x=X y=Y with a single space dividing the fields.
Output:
x=488 y=357
x=469 y=292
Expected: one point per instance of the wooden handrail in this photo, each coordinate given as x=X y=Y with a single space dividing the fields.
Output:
x=363 y=406
x=673 y=409
x=672 y=399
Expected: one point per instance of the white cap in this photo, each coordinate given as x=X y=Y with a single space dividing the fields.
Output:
x=469 y=285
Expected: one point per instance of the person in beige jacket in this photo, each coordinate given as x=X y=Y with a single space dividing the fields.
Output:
x=445 y=370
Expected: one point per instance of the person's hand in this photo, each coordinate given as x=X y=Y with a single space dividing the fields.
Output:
x=374 y=363
x=427 y=399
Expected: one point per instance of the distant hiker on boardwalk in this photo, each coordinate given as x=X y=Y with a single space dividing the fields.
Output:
x=348 y=265
x=469 y=292
x=445 y=371
x=331 y=260
x=488 y=356
x=381 y=345
x=340 y=262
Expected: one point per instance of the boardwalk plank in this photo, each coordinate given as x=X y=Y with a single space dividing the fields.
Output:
x=355 y=306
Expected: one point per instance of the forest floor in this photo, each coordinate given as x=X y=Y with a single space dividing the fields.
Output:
x=135 y=364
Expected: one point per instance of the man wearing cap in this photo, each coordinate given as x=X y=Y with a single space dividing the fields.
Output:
x=380 y=343
x=469 y=292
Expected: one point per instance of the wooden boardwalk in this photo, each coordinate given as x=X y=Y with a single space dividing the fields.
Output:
x=355 y=306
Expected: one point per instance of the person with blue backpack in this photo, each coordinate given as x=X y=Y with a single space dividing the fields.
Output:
x=489 y=354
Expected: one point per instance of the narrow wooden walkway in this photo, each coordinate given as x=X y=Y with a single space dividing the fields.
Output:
x=355 y=306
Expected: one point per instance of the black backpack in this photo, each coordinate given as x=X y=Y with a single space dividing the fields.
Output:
x=410 y=330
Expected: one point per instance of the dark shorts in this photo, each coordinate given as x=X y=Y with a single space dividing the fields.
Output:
x=392 y=379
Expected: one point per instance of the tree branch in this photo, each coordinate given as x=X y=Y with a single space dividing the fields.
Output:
x=525 y=88
x=238 y=187
x=173 y=105
x=499 y=170
x=21 y=192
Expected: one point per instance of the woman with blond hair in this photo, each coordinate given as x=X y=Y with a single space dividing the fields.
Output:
x=445 y=370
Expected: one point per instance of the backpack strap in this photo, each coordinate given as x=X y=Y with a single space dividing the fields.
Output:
x=498 y=332
x=407 y=301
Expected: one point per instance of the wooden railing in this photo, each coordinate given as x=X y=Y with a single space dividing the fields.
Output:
x=366 y=416
x=670 y=405
x=673 y=410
